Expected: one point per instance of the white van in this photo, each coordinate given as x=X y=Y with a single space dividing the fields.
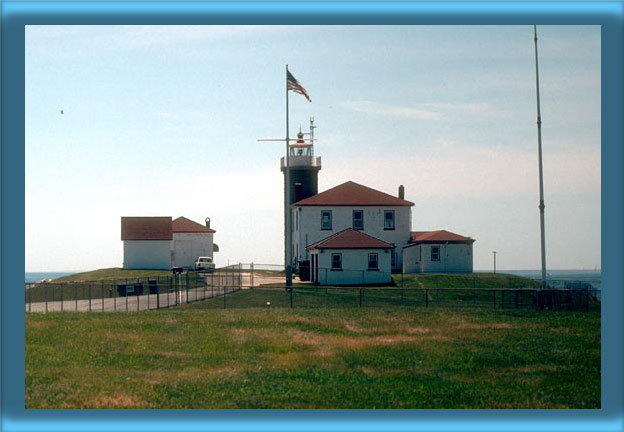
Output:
x=204 y=264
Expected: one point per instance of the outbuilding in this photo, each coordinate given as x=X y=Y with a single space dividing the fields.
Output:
x=437 y=252
x=158 y=242
x=190 y=241
x=350 y=257
x=146 y=242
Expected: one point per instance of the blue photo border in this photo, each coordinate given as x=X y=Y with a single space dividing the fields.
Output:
x=15 y=15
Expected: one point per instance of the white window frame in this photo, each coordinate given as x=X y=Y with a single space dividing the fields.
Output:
x=392 y=213
x=376 y=255
x=339 y=255
x=362 y=219
x=330 y=220
x=432 y=254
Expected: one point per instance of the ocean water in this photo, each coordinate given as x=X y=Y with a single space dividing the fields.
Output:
x=38 y=276
x=591 y=276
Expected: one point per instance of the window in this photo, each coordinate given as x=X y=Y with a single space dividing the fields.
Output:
x=326 y=220
x=388 y=219
x=435 y=253
x=373 y=261
x=358 y=219
x=336 y=261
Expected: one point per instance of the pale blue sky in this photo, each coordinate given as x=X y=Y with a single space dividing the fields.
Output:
x=163 y=121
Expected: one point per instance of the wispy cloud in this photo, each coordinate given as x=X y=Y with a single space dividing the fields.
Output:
x=375 y=108
x=424 y=111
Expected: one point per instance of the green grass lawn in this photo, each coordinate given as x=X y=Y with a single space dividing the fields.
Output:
x=276 y=357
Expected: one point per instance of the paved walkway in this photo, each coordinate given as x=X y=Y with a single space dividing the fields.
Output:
x=154 y=301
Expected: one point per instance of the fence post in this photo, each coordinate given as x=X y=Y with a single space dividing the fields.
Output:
x=157 y=296
x=114 y=289
x=291 y=297
x=402 y=288
x=586 y=300
x=62 y=285
x=224 y=300
x=187 y=287
x=474 y=290
x=252 y=275
x=89 y=297
x=76 y=296
x=360 y=296
x=426 y=298
x=30 y=299
x=126 y=295
x=138 y=295
x=494 y=298
x=45 y=289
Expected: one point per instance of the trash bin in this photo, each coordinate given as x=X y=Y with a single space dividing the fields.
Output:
x=138 y=289
x=304 y=270
x=153 y=286
x=121 y=290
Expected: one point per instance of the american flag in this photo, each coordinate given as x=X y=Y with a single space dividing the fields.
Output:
x=296 y=86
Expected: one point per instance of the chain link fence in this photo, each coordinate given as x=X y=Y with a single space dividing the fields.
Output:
x=125 y=295
x=263 y=285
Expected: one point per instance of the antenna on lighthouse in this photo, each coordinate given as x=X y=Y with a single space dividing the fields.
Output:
x=312 y=127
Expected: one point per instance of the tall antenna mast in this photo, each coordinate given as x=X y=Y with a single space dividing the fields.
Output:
x=312 y=135
x=541 y=175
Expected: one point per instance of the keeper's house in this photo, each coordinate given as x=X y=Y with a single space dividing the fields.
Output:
x=437 y=252
x=162 y=243
x=350 y=257
x=351 y=205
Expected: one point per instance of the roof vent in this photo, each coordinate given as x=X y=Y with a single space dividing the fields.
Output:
x=207 y=222
x=401 y=192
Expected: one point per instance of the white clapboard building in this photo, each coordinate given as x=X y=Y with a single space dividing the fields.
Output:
x=158 y=242
x=353 y=234
x=437 y=252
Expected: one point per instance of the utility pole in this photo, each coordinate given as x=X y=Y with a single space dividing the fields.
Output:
x=541 y=175
x=494 y=253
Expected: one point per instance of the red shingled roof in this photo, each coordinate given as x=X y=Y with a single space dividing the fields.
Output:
x=352 y=194
x=184 y=225
x=440 y=236
x=146 y=228
x=350 y=239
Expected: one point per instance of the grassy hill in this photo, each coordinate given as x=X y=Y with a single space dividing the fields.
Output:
x=112 y=273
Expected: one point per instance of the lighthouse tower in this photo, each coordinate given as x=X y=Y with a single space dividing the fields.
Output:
x=304 y=167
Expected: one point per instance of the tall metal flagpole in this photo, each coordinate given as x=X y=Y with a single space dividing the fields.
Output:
x=287 y=242
x=541 y=175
